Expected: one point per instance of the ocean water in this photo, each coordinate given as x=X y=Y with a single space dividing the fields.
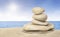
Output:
x=13 y=24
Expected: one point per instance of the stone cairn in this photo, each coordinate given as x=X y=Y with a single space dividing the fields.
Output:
x=39 y=22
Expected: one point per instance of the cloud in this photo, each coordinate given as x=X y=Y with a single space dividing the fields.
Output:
x=11 y=14
x=54 y=16
x=15 y=12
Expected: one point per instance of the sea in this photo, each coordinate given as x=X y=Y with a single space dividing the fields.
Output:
x=14 y=24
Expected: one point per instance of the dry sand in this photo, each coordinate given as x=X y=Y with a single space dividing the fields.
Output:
x=17 y=32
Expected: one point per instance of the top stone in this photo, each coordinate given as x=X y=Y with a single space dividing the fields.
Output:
x=38 y=10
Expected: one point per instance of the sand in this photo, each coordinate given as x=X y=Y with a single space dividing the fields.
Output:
x=18 y=32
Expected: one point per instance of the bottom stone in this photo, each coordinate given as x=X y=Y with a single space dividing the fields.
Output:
x=31 y=27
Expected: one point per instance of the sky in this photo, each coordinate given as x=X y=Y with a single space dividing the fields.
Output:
x=21 y=10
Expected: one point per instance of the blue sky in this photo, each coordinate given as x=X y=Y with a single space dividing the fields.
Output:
x=21 y=10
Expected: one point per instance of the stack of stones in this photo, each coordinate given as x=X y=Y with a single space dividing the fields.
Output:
x=39 y=22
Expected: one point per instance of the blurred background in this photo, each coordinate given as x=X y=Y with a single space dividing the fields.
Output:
x=16 y=13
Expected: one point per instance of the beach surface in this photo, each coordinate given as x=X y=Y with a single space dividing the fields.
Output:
x=18 y=32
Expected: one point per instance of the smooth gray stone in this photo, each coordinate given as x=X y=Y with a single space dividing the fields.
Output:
x=41 y=17
x=32 y=27
x=38 y=10
x=36 y=22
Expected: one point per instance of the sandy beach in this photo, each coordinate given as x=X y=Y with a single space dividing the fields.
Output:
x=18 y=32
